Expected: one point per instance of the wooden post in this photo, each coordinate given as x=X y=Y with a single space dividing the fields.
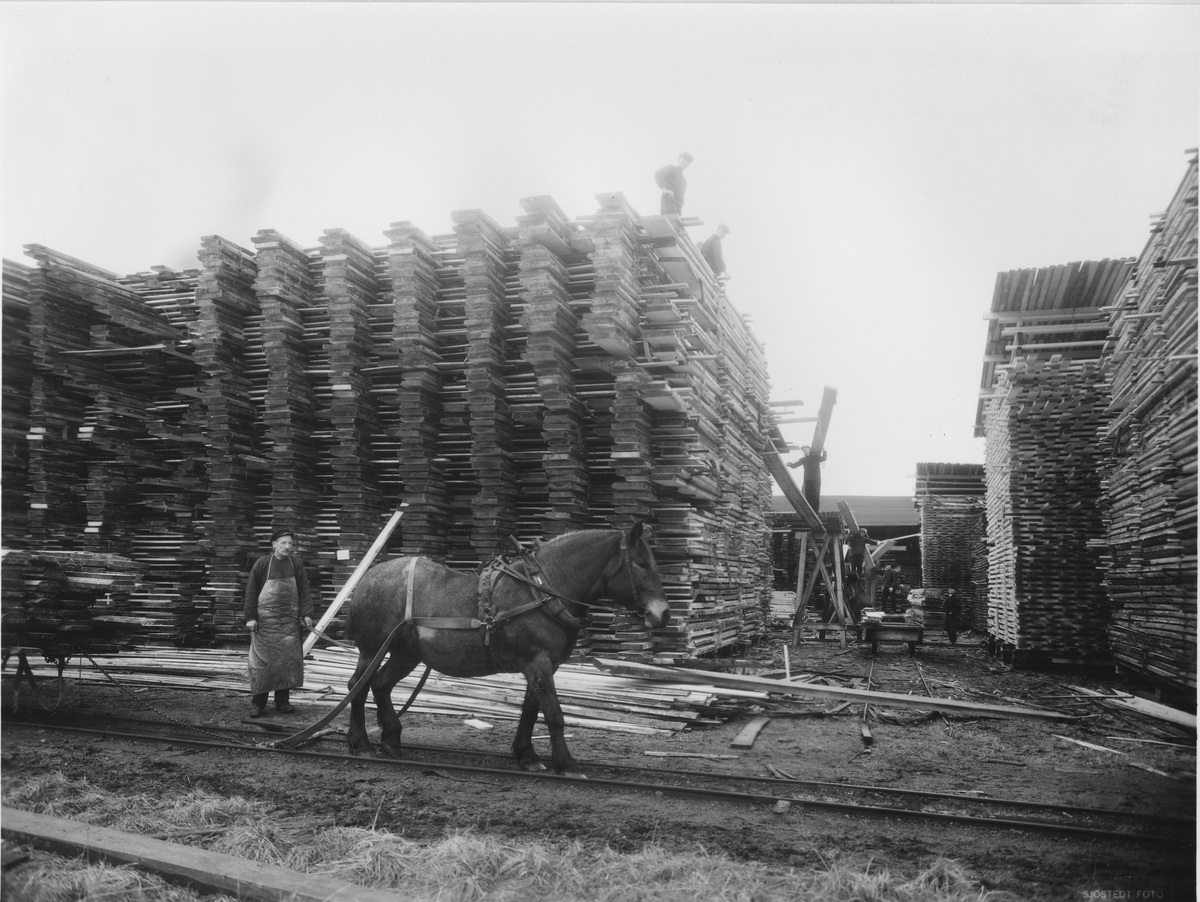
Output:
x=361 y=569
x=801 y=595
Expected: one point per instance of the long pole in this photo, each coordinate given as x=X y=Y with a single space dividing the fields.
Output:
x=362 y=568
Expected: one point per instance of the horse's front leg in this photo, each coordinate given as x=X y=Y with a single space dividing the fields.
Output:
x=523 y=749
x=360 y=744
x=540 y=676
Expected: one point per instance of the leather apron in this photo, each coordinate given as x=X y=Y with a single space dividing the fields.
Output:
x=276 y=652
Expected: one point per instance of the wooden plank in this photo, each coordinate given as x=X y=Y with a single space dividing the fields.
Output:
x=212 y=872
x=1147 y=707
x=761 y=684
x=358 y=573
x=791 y=491
x=828 y=399
x=745 y=739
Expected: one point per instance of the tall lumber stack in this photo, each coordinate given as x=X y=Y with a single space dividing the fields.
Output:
x=412 y=266
x=285 y=289
x=561 y=374
x=350 y=286
x=1044 y=406
x=1043 y=493
x=486 y=317
x=951 y=499
x=225 y=301
x=18 y=383
x=1150 y=486
x=545 y=246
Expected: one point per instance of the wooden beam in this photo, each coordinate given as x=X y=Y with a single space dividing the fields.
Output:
x=848 y=516
x=745 y=739
x=358 y=573
x=828 y=399
x=211 y=872
x=778 y=469
x=811 y=690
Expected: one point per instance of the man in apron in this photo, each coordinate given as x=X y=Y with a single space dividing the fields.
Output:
x=277 y=602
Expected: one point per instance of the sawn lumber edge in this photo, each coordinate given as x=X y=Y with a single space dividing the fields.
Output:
x=810 y=690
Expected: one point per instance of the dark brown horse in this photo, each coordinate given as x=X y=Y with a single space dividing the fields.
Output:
x=457 y=631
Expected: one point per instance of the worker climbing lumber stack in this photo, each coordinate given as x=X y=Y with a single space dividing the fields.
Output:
x=1150 y=489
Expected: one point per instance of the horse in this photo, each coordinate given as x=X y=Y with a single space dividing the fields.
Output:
x=517 y=616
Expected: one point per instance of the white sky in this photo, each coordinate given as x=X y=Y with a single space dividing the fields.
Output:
x=878 y=165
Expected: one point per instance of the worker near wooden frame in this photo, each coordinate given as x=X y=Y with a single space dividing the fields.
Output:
x=671 y=181
x=278 y=600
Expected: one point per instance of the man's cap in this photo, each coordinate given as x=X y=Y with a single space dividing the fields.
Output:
x=687 y=156
x=280 y=533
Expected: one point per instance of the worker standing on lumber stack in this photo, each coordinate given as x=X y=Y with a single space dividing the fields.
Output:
x=952 y=608
x=277 y=601
x=812 y=475
x=670 y=179
x=713 y=254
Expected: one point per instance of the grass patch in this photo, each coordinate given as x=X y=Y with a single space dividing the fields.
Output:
x=463 y=867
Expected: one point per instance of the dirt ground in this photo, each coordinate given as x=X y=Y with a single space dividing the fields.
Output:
x=1014 y=759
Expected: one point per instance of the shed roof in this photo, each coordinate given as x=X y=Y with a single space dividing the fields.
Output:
x=869 y=510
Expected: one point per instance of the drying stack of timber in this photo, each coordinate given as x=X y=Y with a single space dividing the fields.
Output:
x=1150 y=489
x=560 y=374
x=18 y=378
x=67 y=603
x=1045 y=408
x=349 y=287
x=951 y=499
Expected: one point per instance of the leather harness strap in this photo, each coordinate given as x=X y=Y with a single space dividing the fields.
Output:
x=543 y=596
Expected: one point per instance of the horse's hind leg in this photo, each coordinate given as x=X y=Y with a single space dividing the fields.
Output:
x=400 y=663
x=523 y=749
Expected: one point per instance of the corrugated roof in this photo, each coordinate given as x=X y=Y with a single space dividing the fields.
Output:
x=869 y=510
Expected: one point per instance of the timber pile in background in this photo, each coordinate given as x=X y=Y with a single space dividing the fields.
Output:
x=1045 y=401
x=554 y=375
x=1150 y=486
x=951 y=499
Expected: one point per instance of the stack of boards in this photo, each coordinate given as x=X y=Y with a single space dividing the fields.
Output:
x=520 y=381
x=1089 y=411
x=1150 y=490
x=950 y=498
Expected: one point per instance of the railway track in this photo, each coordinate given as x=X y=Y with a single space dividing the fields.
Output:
x=735 y=789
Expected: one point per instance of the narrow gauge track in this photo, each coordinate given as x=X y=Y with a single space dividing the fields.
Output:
x=1092 y=823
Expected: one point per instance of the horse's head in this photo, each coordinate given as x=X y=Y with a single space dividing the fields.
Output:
x=635 y=582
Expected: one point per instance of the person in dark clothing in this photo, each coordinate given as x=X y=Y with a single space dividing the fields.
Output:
x=812 y=475
x=277 y=601
x=674 y=186
x=952 y=608
x=712 y=253
x=857 y=555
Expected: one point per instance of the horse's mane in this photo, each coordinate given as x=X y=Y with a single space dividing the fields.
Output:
x=574 y=533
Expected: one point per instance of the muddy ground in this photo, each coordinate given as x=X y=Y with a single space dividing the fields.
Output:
x=1015 y=759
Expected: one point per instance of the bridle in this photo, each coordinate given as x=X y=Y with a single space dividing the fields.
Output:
x=627 y=564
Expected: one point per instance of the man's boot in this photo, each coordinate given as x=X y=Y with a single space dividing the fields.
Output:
x=258 y=705
x=281 y=702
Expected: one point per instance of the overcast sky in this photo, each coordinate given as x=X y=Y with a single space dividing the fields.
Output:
x=878 y=165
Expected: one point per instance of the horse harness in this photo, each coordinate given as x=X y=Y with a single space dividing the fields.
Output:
x=506 y=565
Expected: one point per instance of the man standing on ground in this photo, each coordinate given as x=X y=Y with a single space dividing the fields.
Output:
x=670 y=179
x=277 y=601
x=712 y=253
x=812 y=476
x=952 y=608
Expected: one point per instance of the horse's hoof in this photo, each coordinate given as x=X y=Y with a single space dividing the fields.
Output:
x=575 y=774
x=534 y=767
x=366 y=752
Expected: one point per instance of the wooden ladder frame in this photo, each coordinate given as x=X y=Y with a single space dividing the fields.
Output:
x=826 y=550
